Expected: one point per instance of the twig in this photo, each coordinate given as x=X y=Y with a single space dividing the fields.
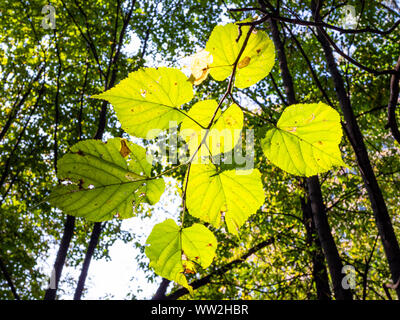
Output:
x=321 y=25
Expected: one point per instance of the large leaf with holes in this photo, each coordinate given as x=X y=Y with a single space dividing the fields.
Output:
x=101 y=180
x=232 y=194
x=149 y=100
x=256 y=61
x=305 y=140
x=174 y=251
x=222 y=135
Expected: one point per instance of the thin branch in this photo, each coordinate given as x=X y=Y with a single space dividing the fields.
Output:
x=222 y=270
x=111 y=82
x=310 y=67
x=17 y=104
x=367 y=267
x=226 y=94
x=244 y=109
x=370 y=111
x=7 y=164
x=88 y=40
x=80 y=113
x=57 y=102
x=320 y=25
x=278 y=91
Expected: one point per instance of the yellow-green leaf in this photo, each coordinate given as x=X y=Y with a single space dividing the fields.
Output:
x=102 y=183
x=149 y=100
x=236 y=195
x=175 y=251
x=223 y=134
x=255 y=63
x=306 y=140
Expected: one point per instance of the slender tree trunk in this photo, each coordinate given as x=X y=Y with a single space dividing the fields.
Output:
x=382 y=218
x=112 y=69
x=313 y=185
x=94 y=240
x=162 y=289
x=7 y=276
x=319 y=272
x=61 y=256
x=325 y=236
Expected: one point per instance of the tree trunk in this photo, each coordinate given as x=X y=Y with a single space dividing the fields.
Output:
x=94 y=240
x=355 y=136
x=319 y=272
x=313 y=186
x=61 y=255
x=325 y=236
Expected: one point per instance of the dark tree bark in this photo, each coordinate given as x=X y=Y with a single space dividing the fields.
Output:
x=325 y=236
x=382 y=218
x=319 y=272
x=162 y=289
x=7 y=276
x=94 y=240
x=61 y=256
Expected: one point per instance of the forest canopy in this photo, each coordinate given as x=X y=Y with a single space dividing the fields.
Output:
x=253 y=145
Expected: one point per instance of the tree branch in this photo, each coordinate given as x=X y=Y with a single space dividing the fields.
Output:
x=160 y=293
x=225 y=268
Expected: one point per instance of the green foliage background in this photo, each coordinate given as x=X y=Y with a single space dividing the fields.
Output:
x=47 y=78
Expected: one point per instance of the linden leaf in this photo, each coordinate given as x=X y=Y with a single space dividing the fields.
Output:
x=256 y=61
x=306 y=140
x=174 y=252
x=149 y=100
x=101 y=182
x=212 y=194
x=223 y=134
